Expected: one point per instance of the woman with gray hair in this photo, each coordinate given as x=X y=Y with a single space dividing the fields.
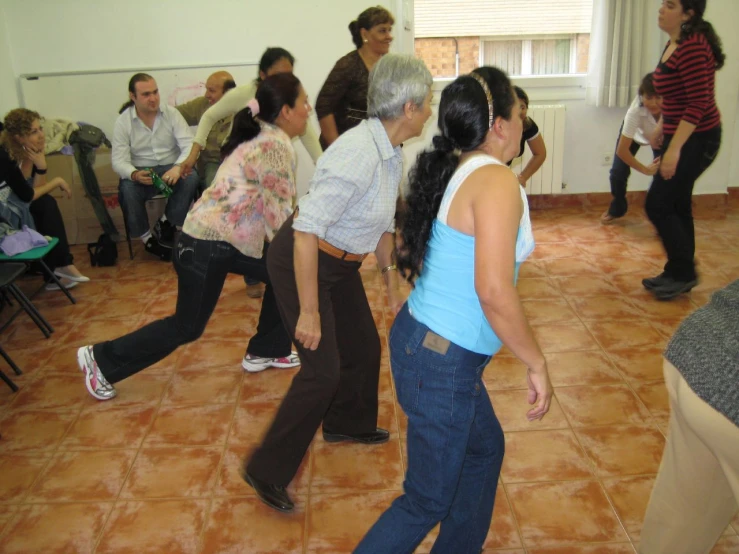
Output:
x=314 y=263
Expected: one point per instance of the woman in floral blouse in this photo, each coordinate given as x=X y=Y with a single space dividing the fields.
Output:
x=227 y=231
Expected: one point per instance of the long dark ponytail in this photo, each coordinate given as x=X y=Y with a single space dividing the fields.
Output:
x=698 y=25
x=272 y=94
x=464 y=124
x=137 y=78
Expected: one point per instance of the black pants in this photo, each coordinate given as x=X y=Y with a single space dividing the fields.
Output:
x=669 y=202
x=202 y=267
x=337 y=383
x=619 y=177
x=48 y=221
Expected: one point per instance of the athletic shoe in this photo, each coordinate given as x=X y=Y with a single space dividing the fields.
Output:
x=96 y=383
x=255 y=364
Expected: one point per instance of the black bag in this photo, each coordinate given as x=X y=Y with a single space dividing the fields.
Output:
x=89 y=135
x=104 y=252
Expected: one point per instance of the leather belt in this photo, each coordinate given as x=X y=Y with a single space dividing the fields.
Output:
x=331 y=250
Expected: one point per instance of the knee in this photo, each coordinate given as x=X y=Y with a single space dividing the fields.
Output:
x=191 y=182
x=127 y=191
x=189 y=333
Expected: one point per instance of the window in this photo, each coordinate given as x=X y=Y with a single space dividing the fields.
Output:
x=525 y=38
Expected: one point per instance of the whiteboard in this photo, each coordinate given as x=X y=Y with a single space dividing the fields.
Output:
x=96 y=97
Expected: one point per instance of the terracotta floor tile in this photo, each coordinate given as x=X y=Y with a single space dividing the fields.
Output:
x=92 y=332
x=544 y=456
x=585 y=285
x=583 y=513
x=269 y=385
x=230 y=482
x=581 y=368
x=652 y=308
x=231 y=327
x=537 y=288
x=611 y=548
x=112 y=428
x=329 y=528
x=267 y=530
x=503 y=373
x=600 y=234
x=31 y=430
x=630 y=496
x=551 y=233
x=205 y=353
x=622 y=450
x=54 y=391
x=351 y=466
x=23 y=331
x=552 y=250
x=190 y=426
x=549 y=311
x=604 y=308
x=212 y=386
x=172 y=472
x=640 y=268
x=18 y=472
x=655 y=398
x=511 y=406
x=7 y=513
x=601 y=405
x=666 y=327
x=30 y=360
x=568 y=267
x=83 y=476
x=154 y=526
x=55 y=528
x=726 y=545
x=251 y=422
x=531 y=269
x=604 y=249
x=564 y=337
x=638 y=365
x=117 y=308
x=144 y=388
x=615 y=335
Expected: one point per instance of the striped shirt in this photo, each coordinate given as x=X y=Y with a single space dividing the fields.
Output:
x=351 y=199
x=686 y=82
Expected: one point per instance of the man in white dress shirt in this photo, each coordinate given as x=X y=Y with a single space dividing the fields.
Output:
x=146 y=136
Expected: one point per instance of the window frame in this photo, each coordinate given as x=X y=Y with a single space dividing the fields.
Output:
x=526 y=59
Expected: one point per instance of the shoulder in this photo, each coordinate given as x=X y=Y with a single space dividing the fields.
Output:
x=348 y=61
x=532 y=130
x=124 y=119
x=357 y=143
x=271 y=142
x=695 y=43
x=170 y=112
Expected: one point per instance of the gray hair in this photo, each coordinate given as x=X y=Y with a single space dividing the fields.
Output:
x=395 y=80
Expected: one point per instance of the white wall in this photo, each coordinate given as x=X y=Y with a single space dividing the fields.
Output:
x=8 y=91
x=78 y=35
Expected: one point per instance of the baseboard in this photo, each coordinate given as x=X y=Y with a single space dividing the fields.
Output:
x=592 y=200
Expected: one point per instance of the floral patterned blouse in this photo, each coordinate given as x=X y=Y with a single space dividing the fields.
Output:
x=252 y=194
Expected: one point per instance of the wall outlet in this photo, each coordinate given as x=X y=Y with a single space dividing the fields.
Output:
x=606 y=159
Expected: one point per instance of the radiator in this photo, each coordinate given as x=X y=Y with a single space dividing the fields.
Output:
x=548 y=179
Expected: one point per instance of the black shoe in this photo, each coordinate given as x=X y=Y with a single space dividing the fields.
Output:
x=273 y=496
x=673 y=289
x=153 y=246
x=164 y=232
x=378 y=436
x=653 y=282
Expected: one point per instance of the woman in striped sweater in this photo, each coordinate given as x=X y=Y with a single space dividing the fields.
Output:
x=691 y=126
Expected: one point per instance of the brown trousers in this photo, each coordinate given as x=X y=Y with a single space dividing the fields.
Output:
x=337 y=383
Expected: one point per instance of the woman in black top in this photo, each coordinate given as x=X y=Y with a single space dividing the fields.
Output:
x=24 y=191
x=532 y=137
x=342 y=101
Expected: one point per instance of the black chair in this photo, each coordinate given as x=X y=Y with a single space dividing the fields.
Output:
x=11 y=363
x=9 y=272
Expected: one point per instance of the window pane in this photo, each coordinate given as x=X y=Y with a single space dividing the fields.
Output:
x=550 y=57
x=505 y=54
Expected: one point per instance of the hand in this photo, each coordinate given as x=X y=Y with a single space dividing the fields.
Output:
x=187 y=165
x=656 y=141
x=653 y=167
x=540 y=393
x=172 y=176
x=308 y=330
x=521 y=180
x=37 y=157
x=65 y=187
x=395 y=300
x=668 y=165
x=142 y=176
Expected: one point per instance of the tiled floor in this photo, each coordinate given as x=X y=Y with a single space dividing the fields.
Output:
x=156 y=469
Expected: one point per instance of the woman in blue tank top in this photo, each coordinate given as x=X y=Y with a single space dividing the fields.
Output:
x=466 y=231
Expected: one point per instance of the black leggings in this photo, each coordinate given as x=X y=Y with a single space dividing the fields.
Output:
x=48 y=221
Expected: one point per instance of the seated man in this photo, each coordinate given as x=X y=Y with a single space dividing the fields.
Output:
x=215 y=87
x=149 y=136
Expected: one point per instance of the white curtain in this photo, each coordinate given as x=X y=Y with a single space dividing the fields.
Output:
x=616 y=46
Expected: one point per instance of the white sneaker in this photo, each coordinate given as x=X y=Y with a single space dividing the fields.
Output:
x=254 y=364
x=66 y=282
x=69 y=277
x=96 y=383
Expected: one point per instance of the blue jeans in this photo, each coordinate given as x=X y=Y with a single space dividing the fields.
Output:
x=133 y=197
x=455 y=446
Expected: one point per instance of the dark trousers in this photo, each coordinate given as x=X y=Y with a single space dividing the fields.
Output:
x=202 y=267
x=48 y=221
x=337 y=383
x=669 y=202
x=619 y=176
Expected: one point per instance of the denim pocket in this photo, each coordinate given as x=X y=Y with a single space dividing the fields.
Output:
x=407 y=385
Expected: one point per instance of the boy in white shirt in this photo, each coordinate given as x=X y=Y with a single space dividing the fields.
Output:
x=638 y=129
